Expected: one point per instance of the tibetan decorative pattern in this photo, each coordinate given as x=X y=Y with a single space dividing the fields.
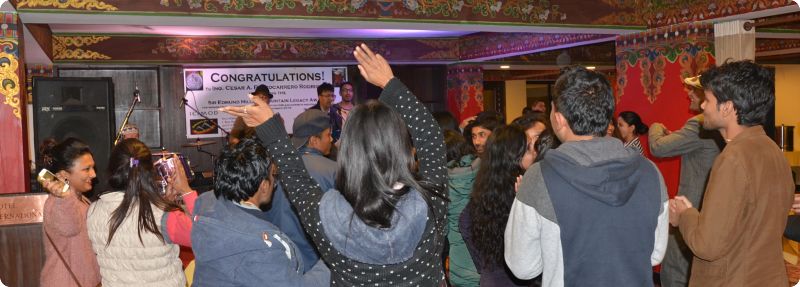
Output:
x=465 y=90
x=770 y=45
x=160 y=49
x=690 y=45
x=478 y=45
x=518 y=12
x=64 y=4
x=665 y=13
x=77 y=48
x=258 y=49
x=9 y=77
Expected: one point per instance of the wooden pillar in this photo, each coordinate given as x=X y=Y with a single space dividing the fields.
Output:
x=732 y=42
x=14 y=163
x=464 y=90
x=516 y=98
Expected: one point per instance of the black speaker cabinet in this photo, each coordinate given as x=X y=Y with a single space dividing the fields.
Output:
x=76 y=107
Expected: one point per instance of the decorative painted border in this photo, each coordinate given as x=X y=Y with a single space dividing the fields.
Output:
x=666 y=13
x=690 y=44
x=482 y=45
x=66 y=4
x=77 y=48
x=514 y=12
x=465 y=90
x=9 y=62
x=770 y=45
x=150 y=48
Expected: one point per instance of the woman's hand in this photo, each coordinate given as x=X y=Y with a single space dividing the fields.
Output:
x=373 y=67
x=56 y=188
x=253 y=115
x=178 y=184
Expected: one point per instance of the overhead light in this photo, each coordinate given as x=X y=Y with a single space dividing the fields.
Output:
x=505 y=67
x=591 y=68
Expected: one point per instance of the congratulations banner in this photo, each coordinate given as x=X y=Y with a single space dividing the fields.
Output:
x=294 y=90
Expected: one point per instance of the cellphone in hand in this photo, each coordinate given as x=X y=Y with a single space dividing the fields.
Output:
x=45 y=176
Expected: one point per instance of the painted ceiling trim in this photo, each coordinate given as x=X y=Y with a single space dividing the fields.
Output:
x=458 y=11
x=105 y=48
x=551 y=12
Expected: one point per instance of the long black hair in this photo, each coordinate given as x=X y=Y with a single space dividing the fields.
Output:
x=493 y=190
x=376 y=152
x=546 y=140
x=633 y=119
x=456 y=145
x=132 y=172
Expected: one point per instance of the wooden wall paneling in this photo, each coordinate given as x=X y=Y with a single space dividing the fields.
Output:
x=21 y=254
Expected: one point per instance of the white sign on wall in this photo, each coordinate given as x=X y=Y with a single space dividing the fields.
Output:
x=294 y=90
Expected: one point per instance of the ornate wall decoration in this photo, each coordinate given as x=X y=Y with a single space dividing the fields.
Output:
x=771 y=45
x=517 y=12
x=689 y=45
x=464 y=90
x=9 y=83
x=9 y=62
x=482 y=45
x=62 y=4
x=70 y=48
x=170 y=49
x=664 y=13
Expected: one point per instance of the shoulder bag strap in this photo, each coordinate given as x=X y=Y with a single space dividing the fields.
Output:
x=62 y=258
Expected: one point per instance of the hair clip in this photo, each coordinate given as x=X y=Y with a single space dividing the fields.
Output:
x=134 y=162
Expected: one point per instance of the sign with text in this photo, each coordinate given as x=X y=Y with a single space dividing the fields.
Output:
x=21 y=209
x=294 y=90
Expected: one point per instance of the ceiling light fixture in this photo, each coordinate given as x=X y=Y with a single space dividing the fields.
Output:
x=505 y=67
x=591 y=68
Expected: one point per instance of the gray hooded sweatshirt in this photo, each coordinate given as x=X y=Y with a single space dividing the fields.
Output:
x=592 y=213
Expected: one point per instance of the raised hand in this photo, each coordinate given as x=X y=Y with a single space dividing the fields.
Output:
x=373 y=67
x=253 y=115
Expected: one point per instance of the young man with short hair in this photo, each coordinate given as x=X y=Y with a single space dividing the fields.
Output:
x=346 y=92
x=232 y=244
x=592 y=212
x=737 y=237
x=325 y=99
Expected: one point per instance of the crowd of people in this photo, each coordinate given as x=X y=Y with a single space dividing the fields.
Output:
x=385 y=193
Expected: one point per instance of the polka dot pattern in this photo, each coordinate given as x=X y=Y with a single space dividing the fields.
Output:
x=424 y=268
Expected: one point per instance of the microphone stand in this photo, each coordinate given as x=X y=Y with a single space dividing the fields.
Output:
x=136 y=100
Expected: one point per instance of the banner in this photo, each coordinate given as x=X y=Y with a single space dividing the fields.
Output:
x=294 y=90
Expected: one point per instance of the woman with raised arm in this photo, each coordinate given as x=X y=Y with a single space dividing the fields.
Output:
x=384 y=223
x=69 y=258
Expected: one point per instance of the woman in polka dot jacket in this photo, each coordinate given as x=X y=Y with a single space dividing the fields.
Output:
x=384 y=224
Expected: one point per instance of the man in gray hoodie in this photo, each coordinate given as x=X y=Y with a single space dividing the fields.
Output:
x=591 y=213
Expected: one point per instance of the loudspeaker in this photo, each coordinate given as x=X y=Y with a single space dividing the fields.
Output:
x=82 y=108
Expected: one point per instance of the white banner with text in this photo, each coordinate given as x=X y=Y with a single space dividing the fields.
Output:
x=294 y=90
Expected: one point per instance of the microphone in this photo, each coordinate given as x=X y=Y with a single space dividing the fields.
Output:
x=136 y=95
x=183 y=102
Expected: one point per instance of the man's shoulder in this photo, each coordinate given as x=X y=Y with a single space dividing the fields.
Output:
x=319 y=164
